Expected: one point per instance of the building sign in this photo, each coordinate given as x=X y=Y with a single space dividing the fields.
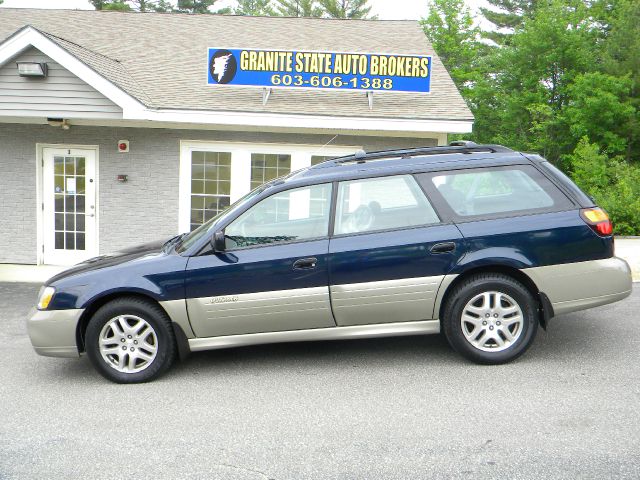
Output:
x=321 y=70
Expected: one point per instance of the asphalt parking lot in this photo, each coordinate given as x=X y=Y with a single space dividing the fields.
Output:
x=368 y=409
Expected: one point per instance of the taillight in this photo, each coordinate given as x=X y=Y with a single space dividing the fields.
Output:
x=598 y=220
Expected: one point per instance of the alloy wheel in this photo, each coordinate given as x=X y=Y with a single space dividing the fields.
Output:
x=492 y=321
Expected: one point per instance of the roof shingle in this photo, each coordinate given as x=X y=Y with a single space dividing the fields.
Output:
x=161 y=59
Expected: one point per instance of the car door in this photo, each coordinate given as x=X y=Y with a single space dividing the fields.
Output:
x=273 y=274
x=389 y=252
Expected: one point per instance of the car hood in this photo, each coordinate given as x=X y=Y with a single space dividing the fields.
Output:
x=118 y=258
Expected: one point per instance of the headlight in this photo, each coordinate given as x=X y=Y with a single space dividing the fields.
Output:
x=46 y=294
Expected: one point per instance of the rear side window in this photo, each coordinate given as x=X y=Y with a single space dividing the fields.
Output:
x=382 y=204
x=491 y=192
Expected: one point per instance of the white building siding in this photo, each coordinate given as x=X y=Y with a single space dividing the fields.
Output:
x=60 y=95
x=141 y=210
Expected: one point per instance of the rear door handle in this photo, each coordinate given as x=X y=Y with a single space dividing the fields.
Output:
x=305 y=263
x=444 y=247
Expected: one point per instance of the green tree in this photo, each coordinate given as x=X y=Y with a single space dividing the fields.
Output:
x=298 y=8
x=528 y=79
x=355 y=9
x=621 y=59
x=449 y=27
x=194 y=6
x=612 y=182
x=120 y=5
x=600 y=109
x=254 y=8
x=128 y=5
x=506 y=15
x=179 y=6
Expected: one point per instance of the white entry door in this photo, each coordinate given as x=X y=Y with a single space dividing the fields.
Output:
x=69 y=205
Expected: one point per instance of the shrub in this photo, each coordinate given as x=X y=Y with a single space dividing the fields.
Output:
x=612 y=182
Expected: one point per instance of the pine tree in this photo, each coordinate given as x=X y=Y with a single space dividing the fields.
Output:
x=298 y=8
x=127 y=5
x=622 y=60
x=347 y=8
x=449 y=27
x=509 y=15
x=254 y=8
x=181 y=6
x=197 y=6
x=164 y=6
x=120 y=5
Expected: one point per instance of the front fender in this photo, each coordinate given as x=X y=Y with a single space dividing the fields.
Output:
x=161 y=278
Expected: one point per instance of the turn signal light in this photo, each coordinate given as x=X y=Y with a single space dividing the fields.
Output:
x=598 y=220
x=46 y=294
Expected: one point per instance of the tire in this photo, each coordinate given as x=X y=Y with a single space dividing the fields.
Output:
x=130 y=340
x=490 y=318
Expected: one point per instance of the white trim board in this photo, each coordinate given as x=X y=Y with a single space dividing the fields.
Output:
x=254 y=119
x=118 y=123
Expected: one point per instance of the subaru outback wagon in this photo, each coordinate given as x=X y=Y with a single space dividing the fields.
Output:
x=477 y=241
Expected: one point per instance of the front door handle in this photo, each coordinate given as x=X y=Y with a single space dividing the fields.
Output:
x=305 y=263
x=444 y=247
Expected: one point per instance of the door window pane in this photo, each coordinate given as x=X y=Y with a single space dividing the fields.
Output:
x=283 y=217
x=266 y=167
x=79 y=241
x=69 y=201
x=382 y=204
x=210 y=185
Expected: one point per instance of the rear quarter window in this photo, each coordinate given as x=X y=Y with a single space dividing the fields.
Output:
x=579 y=195
x=495 y=192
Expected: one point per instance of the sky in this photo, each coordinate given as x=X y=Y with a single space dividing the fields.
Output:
x=385 y=9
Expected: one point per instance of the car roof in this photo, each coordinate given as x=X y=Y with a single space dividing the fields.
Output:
x=397 y=162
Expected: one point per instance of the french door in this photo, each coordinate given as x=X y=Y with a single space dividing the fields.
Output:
x=213 y=175
x=69 y=205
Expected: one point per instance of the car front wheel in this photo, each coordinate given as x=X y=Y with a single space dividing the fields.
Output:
x=130 y=340
x=490 y=319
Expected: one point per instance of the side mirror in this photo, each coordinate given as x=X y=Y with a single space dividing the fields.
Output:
x=218 y=241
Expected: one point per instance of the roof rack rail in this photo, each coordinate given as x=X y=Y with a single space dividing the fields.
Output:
x=462 y=146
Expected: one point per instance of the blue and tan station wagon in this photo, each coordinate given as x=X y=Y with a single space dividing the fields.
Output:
x=477 y=241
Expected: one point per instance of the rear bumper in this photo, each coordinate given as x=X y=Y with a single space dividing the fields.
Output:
x=578 y=286
x=53 y=332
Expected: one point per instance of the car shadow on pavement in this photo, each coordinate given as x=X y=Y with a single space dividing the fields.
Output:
x=329 y=354
x=570 y=338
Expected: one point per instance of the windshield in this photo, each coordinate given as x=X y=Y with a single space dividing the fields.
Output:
x=206 y=229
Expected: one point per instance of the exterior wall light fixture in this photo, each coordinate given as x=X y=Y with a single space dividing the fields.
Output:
x=32 y=69
x=59 y=122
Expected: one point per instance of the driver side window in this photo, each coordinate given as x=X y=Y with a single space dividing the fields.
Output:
x=382 y=204
x=292 y=215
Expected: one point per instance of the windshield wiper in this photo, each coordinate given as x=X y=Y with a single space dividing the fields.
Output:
x=181 y=237
x=173 y=241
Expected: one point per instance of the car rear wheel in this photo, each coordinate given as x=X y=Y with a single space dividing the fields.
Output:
x=490 y=318
x=130 y=340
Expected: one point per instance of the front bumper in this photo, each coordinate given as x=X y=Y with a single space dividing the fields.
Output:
x=53 y=332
